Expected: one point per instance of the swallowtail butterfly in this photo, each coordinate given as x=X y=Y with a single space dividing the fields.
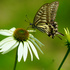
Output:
x=44 y=19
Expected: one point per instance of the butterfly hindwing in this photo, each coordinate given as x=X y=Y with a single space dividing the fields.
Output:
x=53 y=10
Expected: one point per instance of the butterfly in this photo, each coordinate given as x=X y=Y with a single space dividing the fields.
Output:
x=44 y=19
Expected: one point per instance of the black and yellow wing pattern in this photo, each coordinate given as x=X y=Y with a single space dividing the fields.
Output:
x=44 y=19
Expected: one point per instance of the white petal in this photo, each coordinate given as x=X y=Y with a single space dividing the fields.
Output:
x=6 y=40
x=13 y=29
x=36 y=45
x=30 y=52
x=7 y=45
x=6 y=32
x=25 y=51
x=34 y=49
x=31 y=30
x=14 y=46
x=39 y=42
x=31 y=36
x=20 y=51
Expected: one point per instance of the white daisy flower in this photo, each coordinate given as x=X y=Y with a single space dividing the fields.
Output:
x=23 y=40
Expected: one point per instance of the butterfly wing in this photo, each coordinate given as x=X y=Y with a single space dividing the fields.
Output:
x=40 y=19
x=40 y=16
x=46 y=14
x=44 y=19
x=52 y=11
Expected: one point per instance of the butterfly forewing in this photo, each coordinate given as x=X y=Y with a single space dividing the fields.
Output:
x=46 y=13
x=40 y=16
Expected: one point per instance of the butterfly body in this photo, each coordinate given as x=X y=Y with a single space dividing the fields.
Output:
x=44 y=19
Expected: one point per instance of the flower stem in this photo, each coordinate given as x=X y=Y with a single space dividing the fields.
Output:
x=64 y=58
x=16 y=58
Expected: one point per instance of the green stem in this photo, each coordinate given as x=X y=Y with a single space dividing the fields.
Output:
x=64 y=58
x=16 y=58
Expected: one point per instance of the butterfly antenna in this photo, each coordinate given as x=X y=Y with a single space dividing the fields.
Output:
x=28 y=22
x=28 y=26
x=59 y=34
x=28 y=19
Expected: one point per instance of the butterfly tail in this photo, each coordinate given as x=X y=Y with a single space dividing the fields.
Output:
x=59 y=37
x=59 y=34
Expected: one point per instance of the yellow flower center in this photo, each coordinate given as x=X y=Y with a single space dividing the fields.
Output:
x=21 y=34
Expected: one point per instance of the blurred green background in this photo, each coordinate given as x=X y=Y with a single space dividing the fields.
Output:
x=13 y=14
